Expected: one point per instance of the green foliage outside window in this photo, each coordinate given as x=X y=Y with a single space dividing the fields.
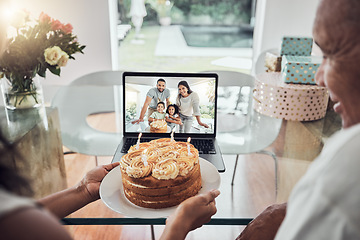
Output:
x=182 y=10
x=207 y=111
x=130 y=111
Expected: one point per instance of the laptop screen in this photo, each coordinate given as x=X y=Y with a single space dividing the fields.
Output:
x=183 y=103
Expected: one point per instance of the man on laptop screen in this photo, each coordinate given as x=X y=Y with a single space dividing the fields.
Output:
x=155 y=95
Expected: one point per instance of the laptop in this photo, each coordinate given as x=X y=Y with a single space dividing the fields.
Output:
x=135 y=89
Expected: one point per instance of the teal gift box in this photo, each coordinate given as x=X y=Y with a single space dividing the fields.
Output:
x=300 y=69
x=296 y=46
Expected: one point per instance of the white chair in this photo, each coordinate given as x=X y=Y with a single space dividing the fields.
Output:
x=259 y=131
x=75 y=104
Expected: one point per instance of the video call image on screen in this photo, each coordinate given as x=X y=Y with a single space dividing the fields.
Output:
x=136 y=91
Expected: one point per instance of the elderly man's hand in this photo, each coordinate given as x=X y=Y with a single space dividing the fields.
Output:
x=266 y=225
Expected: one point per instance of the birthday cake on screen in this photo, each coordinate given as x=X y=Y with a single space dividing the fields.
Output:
x=158 y=126
x=161 y=173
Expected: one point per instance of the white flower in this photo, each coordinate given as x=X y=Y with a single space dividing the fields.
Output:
x=53 y=55
x=63 y=60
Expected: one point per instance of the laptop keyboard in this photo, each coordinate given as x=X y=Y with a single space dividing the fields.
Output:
x=204 y=146
x=131 y=141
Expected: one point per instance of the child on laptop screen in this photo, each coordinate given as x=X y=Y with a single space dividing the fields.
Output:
x=172 y=116
x=159 y=114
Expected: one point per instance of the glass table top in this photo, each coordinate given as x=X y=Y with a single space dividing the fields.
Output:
x=242 y=131
x=252 y=191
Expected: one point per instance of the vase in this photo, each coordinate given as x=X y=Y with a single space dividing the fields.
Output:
x=22 y=96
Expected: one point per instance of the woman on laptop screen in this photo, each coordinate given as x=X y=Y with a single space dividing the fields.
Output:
x=188 y=103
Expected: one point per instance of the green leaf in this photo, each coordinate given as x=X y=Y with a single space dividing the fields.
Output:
x=42 y=71
x=55 y=70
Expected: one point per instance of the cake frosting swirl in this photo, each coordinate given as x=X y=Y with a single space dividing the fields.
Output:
x=161 y=173
x=166 y=169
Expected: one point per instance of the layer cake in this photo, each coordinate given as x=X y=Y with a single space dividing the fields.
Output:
x=158 y=126
x=161 y=173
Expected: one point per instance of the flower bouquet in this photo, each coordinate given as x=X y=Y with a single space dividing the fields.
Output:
x=35 y=46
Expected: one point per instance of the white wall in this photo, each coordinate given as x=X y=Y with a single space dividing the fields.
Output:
x=92 y=25
x=276 y=18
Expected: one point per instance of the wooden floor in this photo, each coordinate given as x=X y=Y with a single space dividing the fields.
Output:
x=253 y=190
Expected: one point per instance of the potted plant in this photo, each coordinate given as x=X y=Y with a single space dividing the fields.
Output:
x=34 y=46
